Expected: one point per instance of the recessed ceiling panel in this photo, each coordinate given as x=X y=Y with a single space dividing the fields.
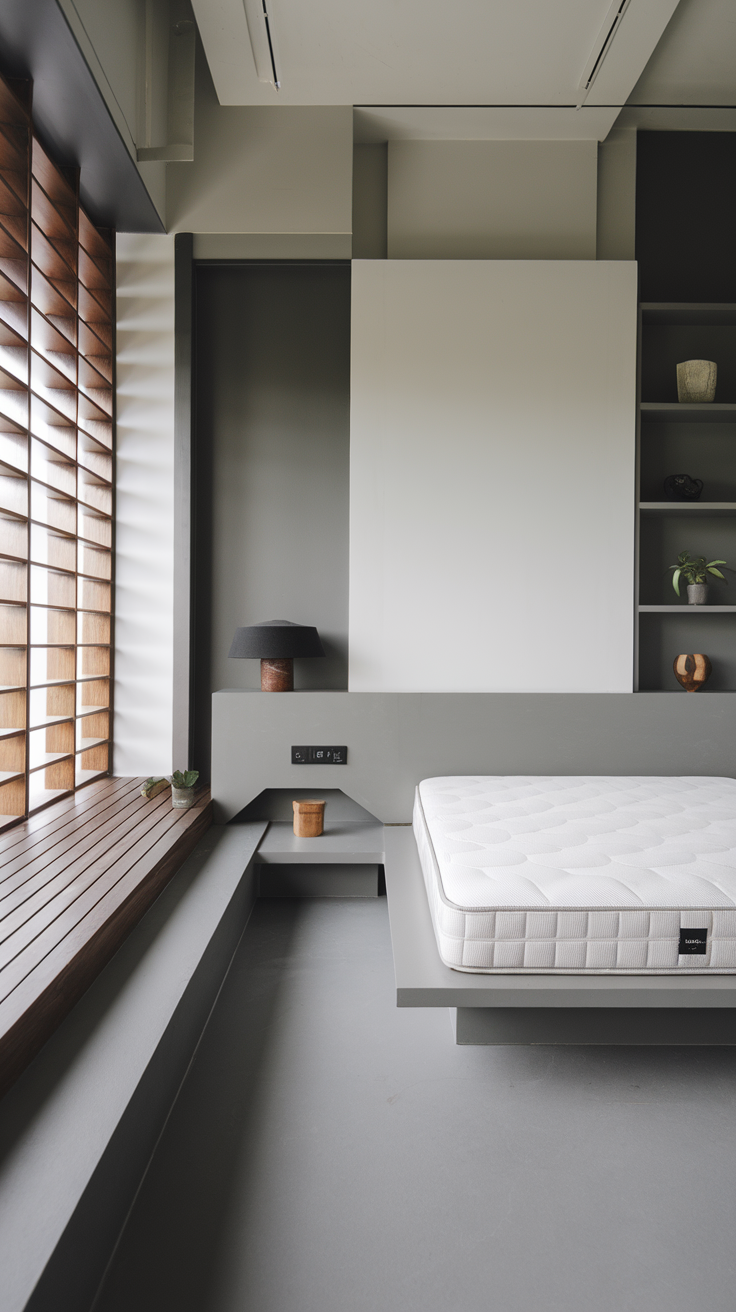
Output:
x=424 y=52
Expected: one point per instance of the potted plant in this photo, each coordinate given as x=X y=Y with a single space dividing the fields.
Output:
x=695 y=571
x=182 y=788
x=153 y=786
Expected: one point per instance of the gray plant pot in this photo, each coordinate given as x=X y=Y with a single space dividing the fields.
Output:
x=697 y=595
x=182 y=798
x=696 y=381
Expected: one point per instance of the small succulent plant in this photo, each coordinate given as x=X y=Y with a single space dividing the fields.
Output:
x=153 y=786
x=184 y=778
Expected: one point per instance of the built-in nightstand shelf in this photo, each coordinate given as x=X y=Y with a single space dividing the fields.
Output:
x=344 y=842
x=346 y=861
x=688 y=507
x=673 y=412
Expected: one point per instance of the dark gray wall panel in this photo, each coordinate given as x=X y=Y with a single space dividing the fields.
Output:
x=70 y=115
x=272 y=381
x=685 y=215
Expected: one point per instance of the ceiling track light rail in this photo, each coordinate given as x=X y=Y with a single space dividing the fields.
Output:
x=272 y=56
x=261 y=30
x=601 y=47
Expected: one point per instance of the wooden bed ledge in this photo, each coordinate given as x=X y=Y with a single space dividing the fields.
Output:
x=74 y=880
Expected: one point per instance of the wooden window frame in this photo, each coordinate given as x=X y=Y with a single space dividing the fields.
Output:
x=57 y=459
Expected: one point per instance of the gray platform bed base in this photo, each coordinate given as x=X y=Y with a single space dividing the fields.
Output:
x=553 y=1009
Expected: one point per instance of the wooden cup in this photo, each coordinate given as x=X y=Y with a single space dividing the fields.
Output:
x=309 y=815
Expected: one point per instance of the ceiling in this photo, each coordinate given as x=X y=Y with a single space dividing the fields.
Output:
x=497 y=56
x=695 y=61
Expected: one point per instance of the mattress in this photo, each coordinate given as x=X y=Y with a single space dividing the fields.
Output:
x=580 y=874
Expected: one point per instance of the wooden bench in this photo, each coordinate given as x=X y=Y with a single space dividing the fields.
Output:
x=74 y=880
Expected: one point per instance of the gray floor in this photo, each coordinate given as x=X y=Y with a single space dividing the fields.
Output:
x=329 y=1153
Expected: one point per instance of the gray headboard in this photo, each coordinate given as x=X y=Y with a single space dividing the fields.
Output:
x=396 y=739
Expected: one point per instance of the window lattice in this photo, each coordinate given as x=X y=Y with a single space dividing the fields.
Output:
x=56 y=469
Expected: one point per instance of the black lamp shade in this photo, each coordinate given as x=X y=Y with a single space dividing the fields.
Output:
x=276 y=640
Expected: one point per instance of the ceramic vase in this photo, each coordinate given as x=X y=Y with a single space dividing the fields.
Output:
x=696 y=381
x=697 y=594
x=692 y=671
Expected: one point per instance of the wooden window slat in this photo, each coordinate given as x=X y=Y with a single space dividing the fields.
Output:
x=56 y=500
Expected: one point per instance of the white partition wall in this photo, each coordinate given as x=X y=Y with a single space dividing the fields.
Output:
x=492 y=476
x=144 y=472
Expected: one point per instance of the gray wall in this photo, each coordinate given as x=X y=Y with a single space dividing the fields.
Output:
x=263 y=169
x=370 y=201
x=271 y=467
x=492 y=200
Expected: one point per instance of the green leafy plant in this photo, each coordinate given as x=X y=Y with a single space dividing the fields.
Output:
x=153 y=786
x=184 y=778
x=694 y=569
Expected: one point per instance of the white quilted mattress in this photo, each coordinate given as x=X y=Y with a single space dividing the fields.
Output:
x=580 y=874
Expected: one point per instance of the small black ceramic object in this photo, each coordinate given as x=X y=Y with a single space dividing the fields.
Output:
x=681 y=487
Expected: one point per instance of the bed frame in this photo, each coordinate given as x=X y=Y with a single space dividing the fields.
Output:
x=396 y=739
x=513 y=1009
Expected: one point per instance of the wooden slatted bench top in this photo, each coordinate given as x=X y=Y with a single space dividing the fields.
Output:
x=74 y=880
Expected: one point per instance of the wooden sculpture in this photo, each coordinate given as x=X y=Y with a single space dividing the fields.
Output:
x=692 y=671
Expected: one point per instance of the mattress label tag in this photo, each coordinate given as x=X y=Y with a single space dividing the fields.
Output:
x=693 y=942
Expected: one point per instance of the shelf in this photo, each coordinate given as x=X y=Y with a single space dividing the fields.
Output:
x=675 y=412
x=688 y=507
x=344 y=842
x=682 y=608
x=686 y=313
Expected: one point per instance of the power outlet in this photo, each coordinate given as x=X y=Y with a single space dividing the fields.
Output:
x=319 y=756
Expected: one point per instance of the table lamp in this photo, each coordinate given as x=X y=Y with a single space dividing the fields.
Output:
x=276 y=643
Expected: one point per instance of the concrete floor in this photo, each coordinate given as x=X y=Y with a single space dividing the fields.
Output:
x=329 y=1153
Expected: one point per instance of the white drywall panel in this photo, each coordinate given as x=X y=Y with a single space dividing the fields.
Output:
x=272 y=169
x=492 y=200
x=492 y=476
x=144 y=555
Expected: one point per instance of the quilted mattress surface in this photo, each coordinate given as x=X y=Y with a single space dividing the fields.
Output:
x=580 y=874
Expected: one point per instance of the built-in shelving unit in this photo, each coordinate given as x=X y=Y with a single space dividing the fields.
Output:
x=699 y=440
x=689 y=611
x=56 y=495
x=675 y=413
x=689 y=507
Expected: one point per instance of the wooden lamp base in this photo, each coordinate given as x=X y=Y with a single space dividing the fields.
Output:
x=277 y=675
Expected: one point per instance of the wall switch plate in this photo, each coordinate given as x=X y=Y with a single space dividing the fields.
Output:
x=319 y=755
